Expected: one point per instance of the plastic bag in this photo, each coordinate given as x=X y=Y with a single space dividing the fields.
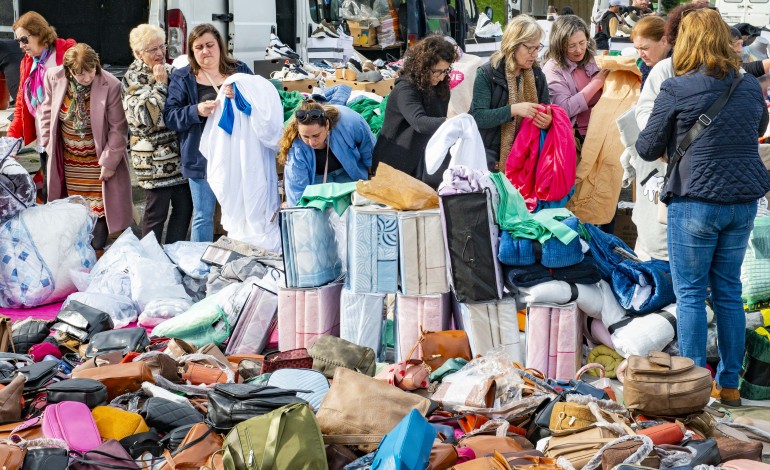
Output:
x=116 y=283
x=187 y=256
x=357 y=10
x=755 y=270
x=159 y=310
x=151 y=280
x=153 y=250
x=119 y=307
x=17 y=190
x=116 y=258
x=398 y=190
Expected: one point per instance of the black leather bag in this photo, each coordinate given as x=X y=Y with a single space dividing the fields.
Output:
x=124 y=340
x=28 y=333
x=81 y=322
x=91 y=392
x=174 y=439
x=165 y=415
x=38 y=375
x=46 y=458
x=138 y=444
x=708 y=452
x=230 y=404
x=540 y=425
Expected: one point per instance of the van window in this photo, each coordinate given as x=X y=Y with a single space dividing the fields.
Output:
x=328 y=10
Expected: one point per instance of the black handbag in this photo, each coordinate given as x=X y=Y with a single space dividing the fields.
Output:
x=28 y=333
x=124 y=340
x=38 y=375
x=469 y=227
x=91 y=392
x=540 y=425
x=138 y=444
x=109 y=455
x=165 y=415
x=708 y=452
x=81 y=322
x=230 y=404
x=174 y=438
x=46 y=458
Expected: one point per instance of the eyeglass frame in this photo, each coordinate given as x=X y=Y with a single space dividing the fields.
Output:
x=531 y=50
x=306 y=116
x=575 y=47
x=438 y=73
x=163 y=47
x=23 y=40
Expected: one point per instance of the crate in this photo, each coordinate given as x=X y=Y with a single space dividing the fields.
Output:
x=382 y=88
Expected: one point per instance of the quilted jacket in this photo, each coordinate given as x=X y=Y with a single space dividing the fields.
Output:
x=722 y=165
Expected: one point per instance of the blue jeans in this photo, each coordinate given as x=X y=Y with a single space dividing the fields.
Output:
x=336 y=176
x=706 y=245
x=204 y=204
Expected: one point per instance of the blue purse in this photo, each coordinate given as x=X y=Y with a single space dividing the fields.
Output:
x=407 y=446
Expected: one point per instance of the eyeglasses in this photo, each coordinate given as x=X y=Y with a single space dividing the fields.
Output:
x=532 y=49
x=155 y=49
x=439 y=72
x=23 y=40
x=576 y=46
x=304 y=116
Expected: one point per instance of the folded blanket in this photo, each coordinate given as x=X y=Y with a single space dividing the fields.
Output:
x=607 y=357
x=605 y=250
x=584 y=272
x=643 y=287
x=557 y=254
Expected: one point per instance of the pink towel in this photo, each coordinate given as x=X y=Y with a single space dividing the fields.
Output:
x=538 y=333
x=287 y=319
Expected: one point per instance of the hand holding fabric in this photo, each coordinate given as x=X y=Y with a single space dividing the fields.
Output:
x=652 y=188
x=543 y=119
x=106 y=174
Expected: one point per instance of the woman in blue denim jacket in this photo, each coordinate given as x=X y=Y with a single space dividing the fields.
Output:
x=192 y=93
x=331 y=143
x=712 y=193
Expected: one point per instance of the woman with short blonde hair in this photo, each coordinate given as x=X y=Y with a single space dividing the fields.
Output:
x=650 y=41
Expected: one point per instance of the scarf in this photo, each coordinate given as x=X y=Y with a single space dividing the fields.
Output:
x=519 y=90
x=33 y=85
x=78 y=112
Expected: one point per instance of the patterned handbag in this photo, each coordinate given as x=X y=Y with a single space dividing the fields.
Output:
x=292 y=359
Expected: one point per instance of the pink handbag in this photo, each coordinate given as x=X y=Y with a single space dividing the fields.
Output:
x=413 y=313
x=554 y=334
x=306 y=314
x=73 y=422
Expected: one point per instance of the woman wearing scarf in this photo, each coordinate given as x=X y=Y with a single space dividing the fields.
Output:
x=509 y=88
x=84 y=129
x=43 y=50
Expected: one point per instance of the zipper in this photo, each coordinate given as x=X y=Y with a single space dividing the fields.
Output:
x=690 y=392
x=250 y=462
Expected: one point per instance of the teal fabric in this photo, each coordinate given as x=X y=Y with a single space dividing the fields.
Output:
x=321 y=196
x=449 y=367
x=368 y=109
x=513 y=216
x=290 y=100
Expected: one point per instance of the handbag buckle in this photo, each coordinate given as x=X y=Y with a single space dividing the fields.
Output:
x=705 y=120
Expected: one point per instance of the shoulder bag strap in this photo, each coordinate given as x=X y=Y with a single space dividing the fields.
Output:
x=704 y=120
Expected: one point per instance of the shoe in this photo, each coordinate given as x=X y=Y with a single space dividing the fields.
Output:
x=726 y=396
x=280 y=48
x=486 y=29
x=323 y=31
x=329 y=28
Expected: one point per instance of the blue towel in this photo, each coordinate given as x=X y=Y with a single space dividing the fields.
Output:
x=627 y=279
x=603 y=250
x=558 y=255
x=228 y=114
x=516 y=251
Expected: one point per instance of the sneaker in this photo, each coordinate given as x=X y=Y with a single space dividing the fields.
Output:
x=323 y=31
x=329 y=28
x=280 y=48
x=726 y=396
x=486 y=29
x=355 y=65
x=271 y=54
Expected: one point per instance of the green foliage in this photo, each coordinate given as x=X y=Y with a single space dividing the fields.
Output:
x=498 y=8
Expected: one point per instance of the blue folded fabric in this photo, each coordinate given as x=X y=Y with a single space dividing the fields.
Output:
x=228 y=114
x=515 y=251
x=558 y=255
x=603 y=252
x=584 y=272
x=643 y=287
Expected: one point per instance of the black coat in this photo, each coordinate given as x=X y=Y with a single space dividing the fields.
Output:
x=410 y=122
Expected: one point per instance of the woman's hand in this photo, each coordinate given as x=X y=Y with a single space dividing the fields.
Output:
x=229 y=92
x=601 y=77
x=206 y=108
x=543 y=120
x=160 y=74
x=526 y=110
x=106 y=174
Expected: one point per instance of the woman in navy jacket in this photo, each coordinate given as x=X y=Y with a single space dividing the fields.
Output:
x=192 y=93
x=712 y=193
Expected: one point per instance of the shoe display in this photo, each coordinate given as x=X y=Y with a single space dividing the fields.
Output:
x=278 y=47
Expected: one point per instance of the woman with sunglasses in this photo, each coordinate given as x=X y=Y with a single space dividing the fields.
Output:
x=509 y=88
x=192 y=93
x=42 y=50
x=416 y=108
x=324 y=144
x=154 y=148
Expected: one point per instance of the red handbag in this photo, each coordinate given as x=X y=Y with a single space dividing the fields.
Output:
x=667 y=433
x=291 y=359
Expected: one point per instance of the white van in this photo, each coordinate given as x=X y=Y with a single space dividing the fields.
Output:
x=753 y=12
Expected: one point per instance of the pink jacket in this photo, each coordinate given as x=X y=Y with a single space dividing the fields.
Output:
x=547 y=173
x=563 y=89
x=110 y=130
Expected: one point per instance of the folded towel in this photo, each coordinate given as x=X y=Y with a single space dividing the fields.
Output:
x=516 y=251
x=585 y=272
x=557 y=254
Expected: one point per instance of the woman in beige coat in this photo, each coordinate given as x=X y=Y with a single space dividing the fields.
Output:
x=84 y=130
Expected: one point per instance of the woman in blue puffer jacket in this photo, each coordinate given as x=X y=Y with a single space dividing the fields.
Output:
x=712 y=193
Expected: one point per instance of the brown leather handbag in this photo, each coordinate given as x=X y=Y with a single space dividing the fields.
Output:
x=6 y=337
x=119 y=378
x=164 y=365
x=568 y=415
x=442 y=457
x=731 y=448
x=440 y=346
x=579 y=446
x=486 y=444
x=196 y=451
x=495 y=462
x=11 y=455
x=618 y=453
x=11 y=400
x=291 y=359
x=23 y=430
x=201 y=374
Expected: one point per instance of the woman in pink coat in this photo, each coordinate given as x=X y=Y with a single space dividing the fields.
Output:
x=84 y=130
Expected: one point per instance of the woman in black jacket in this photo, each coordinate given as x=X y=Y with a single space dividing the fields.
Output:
x=416 y=108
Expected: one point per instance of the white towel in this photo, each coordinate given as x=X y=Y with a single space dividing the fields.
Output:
x=460 y=136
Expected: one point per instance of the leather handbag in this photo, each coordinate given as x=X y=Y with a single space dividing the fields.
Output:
x=442 y=457
x=91 y=392
x=666 y=433
x=440 y=346
x=109 y=455
x=165 y=415
x=138 y=444
x=118 y=378
x=732 y=449
x=347 y=409
x=28 y=333
x=292 y=359
x=124 y=340
x=409 y=375
x=11 y=455
x=11 y=400
x=707 y=452
x=568 y=415
x=195 y=451
x=162 y=364
x=483 y=444
x=495 y=462
x=329 y=352
x=201 y=374
x=619 y=452
x=80 y=321
x=37 y=375
x=46 y=458
x=661 y=385
x=339 y=456
x=579 y=446
x=72 y=422
x=230 y=404
x=25 y=430
x=177 y=348
x=174 y=438
x=115 y=423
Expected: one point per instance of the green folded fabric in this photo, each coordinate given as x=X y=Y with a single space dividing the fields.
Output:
x=321 y=196
x=449 y=367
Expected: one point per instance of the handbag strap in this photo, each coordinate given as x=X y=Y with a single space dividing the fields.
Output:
x=273 y=440
x=81 y=458
x=704 y=120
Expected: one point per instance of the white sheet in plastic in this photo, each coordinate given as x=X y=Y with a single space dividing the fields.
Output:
x=159 y=310
x=361 y=319
x=491 y=325
x=119 y=307
x=152 y=279
x=187 y=256
x=651 y=332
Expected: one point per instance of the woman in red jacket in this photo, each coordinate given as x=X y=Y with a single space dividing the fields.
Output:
x=43 y=50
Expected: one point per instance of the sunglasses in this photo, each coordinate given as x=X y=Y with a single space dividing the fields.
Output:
x=305 y=116
x=23 y=40
x=438 y=72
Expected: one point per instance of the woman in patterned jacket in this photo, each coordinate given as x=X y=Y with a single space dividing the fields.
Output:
x=154 y=147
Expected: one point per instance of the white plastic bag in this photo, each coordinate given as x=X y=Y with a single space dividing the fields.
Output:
x=153 y=250
x=151 y=280
x=119 y=307
x=159 y=310
x=187 y=256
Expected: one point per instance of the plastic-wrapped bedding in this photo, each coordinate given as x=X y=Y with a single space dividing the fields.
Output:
x=637 y=336
x=643 y=287
x=17 y=190
x=361 y=318
x=39 y=247
x=587 y=296
x=119 y=307
x=187 y=256
x=159 y=310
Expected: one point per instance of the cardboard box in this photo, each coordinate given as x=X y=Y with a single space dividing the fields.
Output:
x=364 y=33
x=345 y=74
x=382 y=88
x=305 y=86
x=625 y=228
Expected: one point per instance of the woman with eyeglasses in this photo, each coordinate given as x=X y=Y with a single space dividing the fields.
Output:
x=574 y=80
x=154 y=148
x=84 y=129
x=416 y=108
x=324 y=144
x=192 y=93
x=509 y=88
x=43 y=50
